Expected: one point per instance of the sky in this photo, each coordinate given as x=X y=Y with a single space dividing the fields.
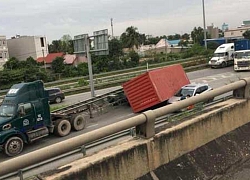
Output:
x=55 y=18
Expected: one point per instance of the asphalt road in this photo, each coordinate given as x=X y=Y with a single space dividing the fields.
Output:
x=198 y=76
x=214 y=77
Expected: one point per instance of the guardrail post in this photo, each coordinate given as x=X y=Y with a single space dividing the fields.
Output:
x=243 y=92
x=83 y=150
x=147 y=129
x=20 y=174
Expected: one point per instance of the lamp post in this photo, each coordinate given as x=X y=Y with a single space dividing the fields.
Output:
x=204 y=23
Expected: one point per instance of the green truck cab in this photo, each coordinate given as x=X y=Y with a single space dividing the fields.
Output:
x=25 y=117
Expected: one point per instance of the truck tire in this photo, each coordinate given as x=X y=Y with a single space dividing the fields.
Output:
x=78 y=122
x=224 y=64
x=62 y=127
x=13 y=146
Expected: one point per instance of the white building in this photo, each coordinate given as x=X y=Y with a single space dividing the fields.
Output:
x=236 y=33
x=22 y=47
x=4 y=55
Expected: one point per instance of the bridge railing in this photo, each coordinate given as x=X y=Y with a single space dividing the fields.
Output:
x=144 y=124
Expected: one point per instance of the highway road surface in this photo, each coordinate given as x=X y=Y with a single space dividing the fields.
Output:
x=214 y=77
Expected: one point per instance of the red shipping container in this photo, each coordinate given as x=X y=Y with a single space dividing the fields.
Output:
x=154 y=87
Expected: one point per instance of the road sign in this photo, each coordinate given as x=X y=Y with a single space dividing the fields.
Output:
x=101 y=42
x=80 y=43
x=82 y=46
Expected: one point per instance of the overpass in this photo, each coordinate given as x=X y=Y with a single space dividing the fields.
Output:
x=202 y=146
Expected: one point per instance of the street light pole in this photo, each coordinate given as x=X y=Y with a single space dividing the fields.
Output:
x=44 y=60
x=112 y=27
x=204 y=23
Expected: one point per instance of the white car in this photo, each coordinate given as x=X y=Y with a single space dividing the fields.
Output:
x=191 y=90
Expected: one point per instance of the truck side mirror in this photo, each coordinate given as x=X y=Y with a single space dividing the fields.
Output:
x=21 y=111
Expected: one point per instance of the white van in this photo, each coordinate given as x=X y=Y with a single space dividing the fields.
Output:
x=223 y=56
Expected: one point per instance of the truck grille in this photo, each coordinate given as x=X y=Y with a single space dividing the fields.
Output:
x=213 y=61
x=243 y=63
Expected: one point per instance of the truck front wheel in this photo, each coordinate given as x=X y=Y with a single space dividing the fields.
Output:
x=62 y=127
x=224 y=64
x=13 y=146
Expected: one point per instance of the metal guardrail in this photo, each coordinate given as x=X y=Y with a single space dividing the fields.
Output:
x=144 y=120
x=128 y=132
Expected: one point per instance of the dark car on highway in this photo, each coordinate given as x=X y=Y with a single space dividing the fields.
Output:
x=55 y=95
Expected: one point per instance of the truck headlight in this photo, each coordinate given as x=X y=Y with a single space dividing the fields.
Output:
x=6 y=127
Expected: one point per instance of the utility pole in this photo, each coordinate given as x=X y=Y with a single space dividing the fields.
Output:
x=44 y=60
x=165 y=45
x=204 y=23
x=112 y=27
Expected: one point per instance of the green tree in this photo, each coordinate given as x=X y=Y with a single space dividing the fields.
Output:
x=67 y=44
x=142 y=38
x=100 y=63
x=197 y=35
x=82 y=69
x=152 y=40
x=11 y=64
x=246 y=34
x=130 y=38
x=183 y=43
x=31 y=61
x=58 y=65
x=115 y=48
x=55 y=46
x=66 y=38
x=185 y=36
x=134 y=58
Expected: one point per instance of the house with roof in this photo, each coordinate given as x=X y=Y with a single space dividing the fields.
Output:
x=69 y=59
x=47 y=60
x=165 y=46
x=169 y=43
x=74 y=60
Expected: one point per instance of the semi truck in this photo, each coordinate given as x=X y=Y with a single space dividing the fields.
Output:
x=223 y=56
x=25 y=117
x=25 y=112
x=242 y=55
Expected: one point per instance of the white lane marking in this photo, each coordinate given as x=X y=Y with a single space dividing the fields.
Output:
x=92 y=125
x=131 y=114
x=214 y=77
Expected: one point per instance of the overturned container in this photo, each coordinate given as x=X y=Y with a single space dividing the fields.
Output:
x=154 y=87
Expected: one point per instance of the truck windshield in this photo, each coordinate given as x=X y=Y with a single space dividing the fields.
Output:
x=185 y=92
x=242 y=55
x=7 y=110
x=219 y=54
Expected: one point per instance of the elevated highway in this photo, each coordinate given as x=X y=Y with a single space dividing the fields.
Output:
x=201 y=147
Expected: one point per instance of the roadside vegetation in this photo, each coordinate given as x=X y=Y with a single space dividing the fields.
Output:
x=16 y=70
